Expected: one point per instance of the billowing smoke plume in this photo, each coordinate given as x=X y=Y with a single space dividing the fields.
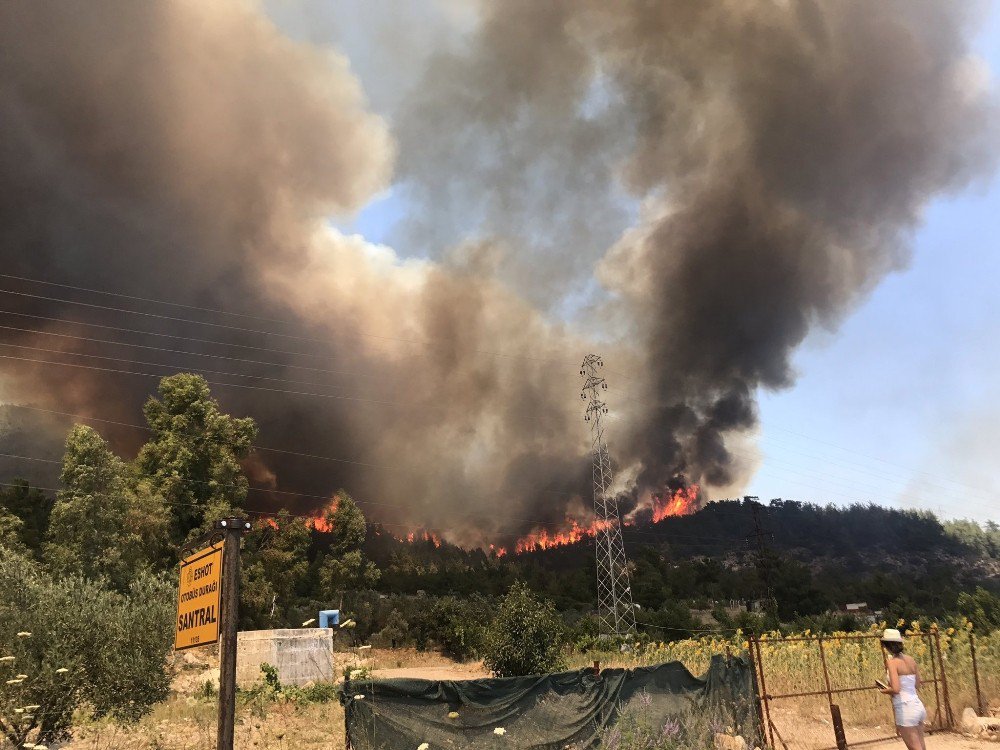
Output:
x=730 y=174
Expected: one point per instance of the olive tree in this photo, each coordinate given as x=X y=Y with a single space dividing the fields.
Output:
x=526 y=636
x=70 y=643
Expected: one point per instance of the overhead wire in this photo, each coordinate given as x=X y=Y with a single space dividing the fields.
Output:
x=221 y=384
x=428 y=343
x=167 y=366
x=185 y=352
x=852 y=491
x=210 y=382
x=539 y=523
x=253 y=317
x=218 y=325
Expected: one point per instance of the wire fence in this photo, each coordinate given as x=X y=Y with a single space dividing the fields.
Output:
x=818 y=691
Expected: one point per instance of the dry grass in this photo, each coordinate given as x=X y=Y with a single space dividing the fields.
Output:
x=792 y=666
x=188 y=724
x=185 y=722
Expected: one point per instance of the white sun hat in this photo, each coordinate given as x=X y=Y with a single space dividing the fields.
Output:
x=891 y=635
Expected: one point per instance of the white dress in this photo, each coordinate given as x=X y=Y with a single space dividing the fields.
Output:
x=906 y=704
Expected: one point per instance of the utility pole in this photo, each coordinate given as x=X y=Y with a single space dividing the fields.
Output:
x=614 y=594
x=760 y=535
x=232 y=531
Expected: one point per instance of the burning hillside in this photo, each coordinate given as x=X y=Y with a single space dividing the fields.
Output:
x=663 y=505
x=687 y=187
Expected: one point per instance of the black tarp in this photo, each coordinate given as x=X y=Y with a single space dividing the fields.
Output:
x=563 y=710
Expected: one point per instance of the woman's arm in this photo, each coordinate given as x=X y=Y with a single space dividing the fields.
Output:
x=893 y=688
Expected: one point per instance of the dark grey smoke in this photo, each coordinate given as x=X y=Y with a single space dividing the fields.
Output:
x=731 y=173
x=782 y=151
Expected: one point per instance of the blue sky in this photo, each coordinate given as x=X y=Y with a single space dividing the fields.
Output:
x=901 y=403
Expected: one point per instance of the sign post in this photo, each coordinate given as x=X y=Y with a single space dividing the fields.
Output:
x=208 y=603
x=198 y=598
x=232 y=530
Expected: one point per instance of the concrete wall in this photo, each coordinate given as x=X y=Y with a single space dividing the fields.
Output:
x=300 y=655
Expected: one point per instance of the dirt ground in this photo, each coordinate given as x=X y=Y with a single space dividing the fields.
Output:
x=186 y=721
x=813 y=733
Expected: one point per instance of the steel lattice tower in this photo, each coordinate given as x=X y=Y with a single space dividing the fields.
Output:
x=614 y=594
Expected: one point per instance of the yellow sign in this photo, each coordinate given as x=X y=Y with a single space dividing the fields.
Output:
x=198 y=600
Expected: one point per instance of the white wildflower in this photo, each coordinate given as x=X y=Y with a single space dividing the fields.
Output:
x=500 y=730
x=359 y=697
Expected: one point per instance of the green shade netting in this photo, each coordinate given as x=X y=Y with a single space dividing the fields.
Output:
x=563 y=710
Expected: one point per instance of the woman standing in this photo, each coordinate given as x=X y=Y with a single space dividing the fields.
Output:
x=904 y=679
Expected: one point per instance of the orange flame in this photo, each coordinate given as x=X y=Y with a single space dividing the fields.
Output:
x=421 y=535
x=546 y=540
x=321 y=522
x=682 y=502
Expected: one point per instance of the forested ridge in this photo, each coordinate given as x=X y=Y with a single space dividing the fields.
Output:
x=742 y=563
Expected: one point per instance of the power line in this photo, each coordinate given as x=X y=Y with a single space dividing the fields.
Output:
x=185 y=352
x=165 y=366
x=711 y=507
x=844 y=482
x=853 y=464
x=210 y=382
x=260 y=377
x=538 y=523
x=285 y=322
x=428 y=343
x=211 y=342
x=942 y=482
x=313 y=517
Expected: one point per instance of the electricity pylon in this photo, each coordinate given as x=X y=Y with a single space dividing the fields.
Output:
x=614 y=594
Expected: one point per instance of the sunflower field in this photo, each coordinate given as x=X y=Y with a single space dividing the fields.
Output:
x=793 y=664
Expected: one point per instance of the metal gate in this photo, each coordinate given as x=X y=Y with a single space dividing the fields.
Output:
x=940 y=712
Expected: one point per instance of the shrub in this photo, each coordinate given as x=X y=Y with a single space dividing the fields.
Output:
x=690 y=730
x=86 y=642
x=458 y=626
x=270 y=690
x=526 y=637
